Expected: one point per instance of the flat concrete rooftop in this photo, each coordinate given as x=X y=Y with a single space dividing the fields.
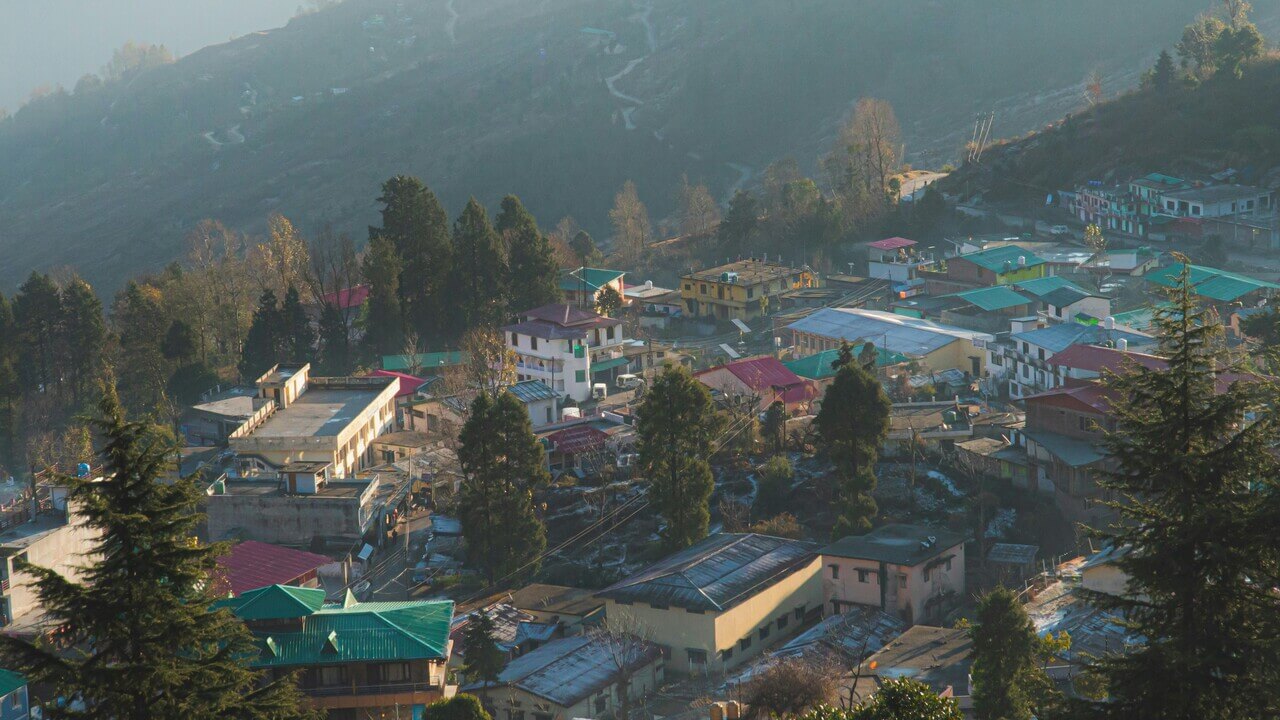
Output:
x=25 y=535
x=265 y=488
x=318 y=412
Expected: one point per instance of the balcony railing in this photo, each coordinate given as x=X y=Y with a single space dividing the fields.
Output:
x=373 y=689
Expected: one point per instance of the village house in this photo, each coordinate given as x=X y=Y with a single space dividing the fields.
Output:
x=894 y=259
x=1219 y=288
x=582 y=286
x=1064 y=434
x=913 y=572
x=1001 y=265
x=1023 y=363
x=995 y=457
x=1212 y=201
x=717 y=604
x=14 y=704
x=933 y=346
x=741 y=290
x=430 y=364
x=986 y=309
x=574 y=677
x=936 y=425
x=573 y=609
x=357 y=660
x=762 y=380
x=46 y=531
x=566 y=348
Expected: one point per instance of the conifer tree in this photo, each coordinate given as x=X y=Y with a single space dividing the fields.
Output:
x=775 y=425
x=264 y=343
x=298 y=338
x=534 y=273
x=484 y=659
x=853 y=423
x=335 y=342
x=585 y=248
x=608 y=302
x=737 y=233
x=502 y=464
x=1008 y=684
x=1164 y=74
x=141 y=369
x=148 y=646
x=418 y=227
x=82 y=337
x=481 y=274
x=384 y=324
x=37 y=311
x=677 y=424
x=8 y=385
x=1197 y=493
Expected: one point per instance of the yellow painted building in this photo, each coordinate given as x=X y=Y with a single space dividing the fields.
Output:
x=723 y=601
x=741 y=290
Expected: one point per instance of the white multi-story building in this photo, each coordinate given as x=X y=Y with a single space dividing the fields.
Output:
x=567 y=348
x=1025 y=358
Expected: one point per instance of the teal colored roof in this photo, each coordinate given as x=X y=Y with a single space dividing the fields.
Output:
x=1045 y=285
x=818 y=367
x=1002 y=259
x=10 y=681
x=349 y=631
x=1211 y=283
x=275 y=602
x=595 y=278
x=426 y=361
x=992 y=298
x=609 y=364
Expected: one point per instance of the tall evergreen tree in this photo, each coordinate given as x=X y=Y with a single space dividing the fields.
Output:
x=585 y=248
x=1008 y=684
x=737 y=232
x=484 y=659
x=141 y=324
x=1164 y=74
x=502 y=464
x=37 y=311
x=335 y=342
x=418 y=227
x=8 y=385
x=384 y=324
x=481 y=273
x=677 y=424
x=264 y=343
x=298 y=337
x=149 y=646
x=1197 y=478
x=82 y=338
x=534 y=273
x=853 y=423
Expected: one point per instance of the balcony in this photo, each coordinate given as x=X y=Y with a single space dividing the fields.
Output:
x=374 y=689
x=378 y=695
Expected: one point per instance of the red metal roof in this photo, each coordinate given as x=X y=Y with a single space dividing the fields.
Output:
x=768 y=377
x=1093 y=358
x=252 y=564
x=352 y=297
x=408 y=383
x=892 y=243
x=577 y=439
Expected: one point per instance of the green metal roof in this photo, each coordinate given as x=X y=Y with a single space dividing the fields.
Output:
x=609 y=364
x=818 y=367
x=1002 y=259
x=275 y=602
x=10 y=681
x=1212 y=283
x=426 y=361
x=1045 y=285
x=992 y=298
x=595 y=278
x=347 y=632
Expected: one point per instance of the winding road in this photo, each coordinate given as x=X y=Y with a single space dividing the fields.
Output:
x=610 y=82
x=451 y=24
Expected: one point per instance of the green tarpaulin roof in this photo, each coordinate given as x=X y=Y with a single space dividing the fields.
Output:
x=818 y=367
x=596 y=278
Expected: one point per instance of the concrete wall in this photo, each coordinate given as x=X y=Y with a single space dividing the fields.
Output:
x=504 y=702
x=59 y=550
x=906 y=593
x=1105 y=578
x=282 y=519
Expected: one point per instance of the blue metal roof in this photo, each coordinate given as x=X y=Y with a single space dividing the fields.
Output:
x=1057 y=338
x=716 y=574
x=897 y=333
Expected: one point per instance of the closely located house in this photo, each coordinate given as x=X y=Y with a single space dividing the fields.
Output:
x=741 y=290
x=995 y=457
x=326 y=421
x=212 y=421
x=1064 y=433
x=819 y=368
x=14 y=704
x=432 y=363
x=357 y=660
x=352 y=298
x=842 y=640
x=1069 y=305
x=1124 y=261
x=916 y=573
x=1089 y=362
x=539 y=399
x=1004 y=265
x=1213 y=201
x=573 y=677
x=761 y=379
x=579 y=446
x=574 y=609
x=894 y=259
x=935 y=424
x=582 y=286
x=987 y=309
x=941 y=658
x=47 y=532
x=408 y=392
x=1025 y=359
x=401 y=445
x=1217 y=286
x=1012 y=563
x=251 y=564
x=568 y=349
x=515 y=632
x=934 y=346
x=718 y=603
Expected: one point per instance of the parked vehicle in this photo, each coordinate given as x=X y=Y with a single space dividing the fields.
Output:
x=1059 y=230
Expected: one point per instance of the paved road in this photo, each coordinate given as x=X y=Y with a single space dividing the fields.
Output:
x=394 y=578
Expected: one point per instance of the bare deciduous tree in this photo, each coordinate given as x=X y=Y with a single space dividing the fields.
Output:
x=627 y=643
x=788 y=688
x=631 y=229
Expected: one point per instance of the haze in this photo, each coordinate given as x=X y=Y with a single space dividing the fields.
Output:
x=57 y=41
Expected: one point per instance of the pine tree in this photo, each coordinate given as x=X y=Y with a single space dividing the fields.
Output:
x=1198 y=481
x=481 y=274
x=534 y=273
x=853 y=423
x=335 y=342
x=459 y=707
x=179 y=342
x=298 y=337
x=141 y=368
x=608 y=302
x=82 y=339
x=484 y=659
x=37 y=312
x=773 y=495
x=148 y=644
x=418 y=227
x=8 y=385
x=264 y=344
x=384 y=324
x=737 y=233
x=1164 y=74
x=902 y=699
x=502 y=464
x=585 y=248
x=775 y=425
x=1006 y=677
x=677 y=424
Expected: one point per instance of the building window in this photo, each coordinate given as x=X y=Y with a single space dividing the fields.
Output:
x=602 y=702
x=515 y=715
x=541 y=716
x=751 y=292
x=948 y=565
x=697 y=657
x=515 y=340
x=608 y=333
x=902 y=582
x=533 y=343
x=331 y=675
x=580 y=376
x=702 y=288
x=799 y=613
x=864 y=576
x=926 y=574
x=744 y=643
x=782 y=621
x=764 y=632
x=1085 y=423
x=1040 y=353
x=658 y=606
x=393 y=672
x=835 y=572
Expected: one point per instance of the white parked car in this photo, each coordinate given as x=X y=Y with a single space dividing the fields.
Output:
x=1059 y=230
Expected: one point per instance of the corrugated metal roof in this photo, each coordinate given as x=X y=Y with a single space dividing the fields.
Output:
x=912 y=337
x=1063 y=335
x=426 y=361
x=1012 y=553
x=1045 y=285
x=569 y=670
x=818 y=367
x=892 y=243
x=10 y=681
x=528 y=391
x=252 y=564
x=897 y=543
x=1002 y=259
x=1063 y=297
x=275 y=602
x=992 y=298
x=1210 y=282
x=716 y=574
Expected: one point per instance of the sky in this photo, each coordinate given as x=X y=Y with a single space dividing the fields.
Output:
x=57 y=41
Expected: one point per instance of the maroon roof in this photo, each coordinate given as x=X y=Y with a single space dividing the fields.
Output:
x=408 y=383
x=567 y=315
x=1093 y=358
x=765 y=375
x=252 y=564
x=577 y=439
x=352 y=297
x=892 y=243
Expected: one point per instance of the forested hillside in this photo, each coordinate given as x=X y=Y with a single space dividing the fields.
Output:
x=559 y=102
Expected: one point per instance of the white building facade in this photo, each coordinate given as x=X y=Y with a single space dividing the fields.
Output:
x=564 y=347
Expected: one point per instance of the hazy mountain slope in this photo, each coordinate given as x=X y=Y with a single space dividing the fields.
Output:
x=485 y=97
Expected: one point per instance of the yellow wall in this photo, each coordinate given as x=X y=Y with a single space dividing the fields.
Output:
x=735 y=299
x=1027 y=273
